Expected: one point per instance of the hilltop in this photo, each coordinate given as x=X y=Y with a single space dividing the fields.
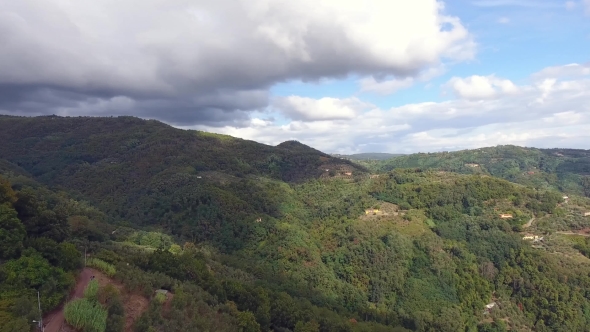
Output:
x=51 y=147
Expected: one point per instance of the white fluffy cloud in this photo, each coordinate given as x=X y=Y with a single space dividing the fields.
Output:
x=309 y=109
x=176 y=55
x=548 y=112
x=481 y=87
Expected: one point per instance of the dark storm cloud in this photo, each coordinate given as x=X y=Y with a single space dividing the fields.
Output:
x=203 y=61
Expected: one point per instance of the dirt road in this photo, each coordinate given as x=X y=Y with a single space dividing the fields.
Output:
x=54 y=320
x=529 y=223
x=573 y=233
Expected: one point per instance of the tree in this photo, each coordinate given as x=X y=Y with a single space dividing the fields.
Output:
x=488 y=270
x=12 y=232
x=175 y=249
x=247 y=322
x=450 y=320
x=69 y=258
x=311 y=326
x=586 y=185
x=7 y=195
x=49 y=224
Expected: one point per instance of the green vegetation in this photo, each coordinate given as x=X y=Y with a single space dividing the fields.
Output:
x=249 y=237
x=160 y=298
x=86 y=315
x=102 y=266
x=100 y=310
x=151 y=239
x=35 y=254
x=567 y=170
x=91 y=291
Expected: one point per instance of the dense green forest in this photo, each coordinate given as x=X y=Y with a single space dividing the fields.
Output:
x=567 y=170
x=250 y=237
x=367 y=156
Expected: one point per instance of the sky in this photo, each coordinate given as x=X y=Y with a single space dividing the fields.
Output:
x=341 y=76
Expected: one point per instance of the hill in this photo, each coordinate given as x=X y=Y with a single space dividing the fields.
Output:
x=148 y=173
x=367 y=156
x=47 y=146
x=567 y=170
x=246 y=243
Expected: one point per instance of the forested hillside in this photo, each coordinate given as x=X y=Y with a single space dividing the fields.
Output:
x=567 y=170
x=367 y=156
x=249 y=237
x=148 y=173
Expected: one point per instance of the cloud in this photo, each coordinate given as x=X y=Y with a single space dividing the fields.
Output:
x=385 y=87
x=481 y=87
x=503 y=20
x=572 y=70
x=206 y=61
x=309 y=109
x=389 y=86
x=561 y=119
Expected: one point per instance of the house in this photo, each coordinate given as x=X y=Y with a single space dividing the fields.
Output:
x=505 y=216
x=565 y=197
x=472 y=165
x=371 y=211
x=586 y=214
x=198 y=177
x=488 y=308
x=259 y=220
x=162 y=291
x=535 y=238
x=348 y=173
x=327 y=169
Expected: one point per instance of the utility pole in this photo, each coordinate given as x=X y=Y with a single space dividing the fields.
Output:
x=42 y=328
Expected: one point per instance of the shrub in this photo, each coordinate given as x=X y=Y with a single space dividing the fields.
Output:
x=85 y=315
x=102 y=266
x=91 y=291
x=160 y=298
x=107 y=294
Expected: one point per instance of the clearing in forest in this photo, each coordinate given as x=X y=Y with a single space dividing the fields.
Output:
x=134 y=304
